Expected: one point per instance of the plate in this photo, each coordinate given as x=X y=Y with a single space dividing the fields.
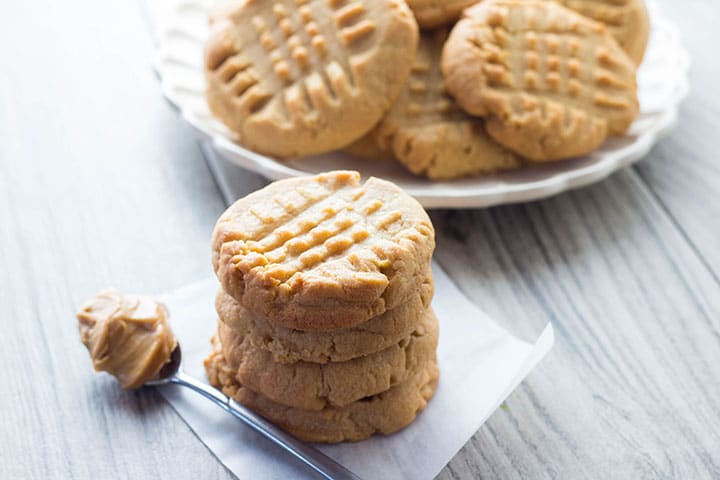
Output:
x=662 y=84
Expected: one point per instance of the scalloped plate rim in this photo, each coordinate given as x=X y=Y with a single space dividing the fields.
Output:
x=444 y=194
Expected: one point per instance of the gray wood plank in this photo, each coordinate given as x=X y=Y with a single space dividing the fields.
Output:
x=100 y=184
x=630 y=389
x=683 y=171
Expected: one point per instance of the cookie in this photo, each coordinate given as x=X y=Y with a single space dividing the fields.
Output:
x=314 y=386
x=283 y=74
x=626 y=20
x=324 y=252
x=436 y=13
x=289 y=345
x=384 y=413
x=368 y=149
x=552 y=83
x=429 y=133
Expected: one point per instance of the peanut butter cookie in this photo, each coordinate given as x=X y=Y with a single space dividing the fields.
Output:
x=367 y=148
x=324 y=252
x=626 y=20
x=384 y=413
x=552 y=83
x=288 y=345
x=314 y=386
x=429 y=133
x=300 y=77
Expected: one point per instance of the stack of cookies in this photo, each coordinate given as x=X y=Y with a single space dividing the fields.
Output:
x=325 y=326
x=447 y=88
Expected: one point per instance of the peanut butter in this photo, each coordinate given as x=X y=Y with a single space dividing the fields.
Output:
x=127 y=336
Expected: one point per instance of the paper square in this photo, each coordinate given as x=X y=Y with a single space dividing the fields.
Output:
x=480 y=364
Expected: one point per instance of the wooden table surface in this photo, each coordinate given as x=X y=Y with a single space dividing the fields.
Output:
x=102 y=184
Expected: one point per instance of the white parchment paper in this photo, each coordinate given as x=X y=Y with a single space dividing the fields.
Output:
x=480 y=364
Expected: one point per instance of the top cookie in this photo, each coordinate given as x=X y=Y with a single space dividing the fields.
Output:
x=627 y=21
x=428 y=132
x=283 y=74
x=324 y=252
x=436 y=13
x=552 y=83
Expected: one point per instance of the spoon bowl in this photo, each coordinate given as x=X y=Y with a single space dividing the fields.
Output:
x=168 y=370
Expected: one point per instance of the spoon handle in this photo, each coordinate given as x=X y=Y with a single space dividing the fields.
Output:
x=321 y=463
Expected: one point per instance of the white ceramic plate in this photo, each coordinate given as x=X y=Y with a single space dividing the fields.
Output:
x=662 y=81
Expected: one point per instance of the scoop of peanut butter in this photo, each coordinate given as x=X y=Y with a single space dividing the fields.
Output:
x=127 y=336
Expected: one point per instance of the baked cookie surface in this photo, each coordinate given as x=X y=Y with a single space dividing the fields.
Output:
x=283 y=74
x=287 y=345
x=436 y=13
x=428 y=132
x=626 y=20
x=314 y=386
x=325 y=252
x=367 y=148
x=384 y=413
x=551 y=83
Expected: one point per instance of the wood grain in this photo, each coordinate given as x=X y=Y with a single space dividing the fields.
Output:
x=630 y=389
x=101 y=183
x=684 y=174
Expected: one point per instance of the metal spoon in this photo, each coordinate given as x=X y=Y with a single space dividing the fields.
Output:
x=321 y=463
